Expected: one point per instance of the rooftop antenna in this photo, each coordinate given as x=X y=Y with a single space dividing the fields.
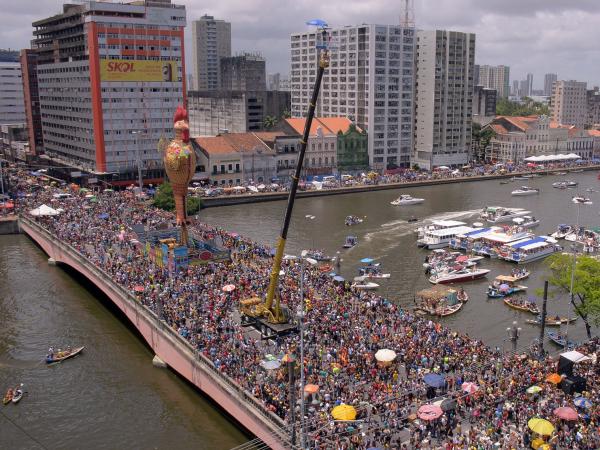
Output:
x=407 y=16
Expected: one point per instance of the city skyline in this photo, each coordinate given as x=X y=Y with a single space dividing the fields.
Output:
x=536 y=36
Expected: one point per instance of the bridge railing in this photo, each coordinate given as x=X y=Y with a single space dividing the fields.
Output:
x=278 y=426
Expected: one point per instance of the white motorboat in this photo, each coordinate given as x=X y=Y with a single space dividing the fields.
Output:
x=365 y=286
x=526 y=221
x=528 y=250
x=581 y=200
x=458 y=276
x=525 y=190
x=441 y=238
x=406 y=199
x=499 y=214
x=435 y=225
x=562 y=231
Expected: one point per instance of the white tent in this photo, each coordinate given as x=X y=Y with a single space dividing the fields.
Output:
x=44 y=210
x=575 y=356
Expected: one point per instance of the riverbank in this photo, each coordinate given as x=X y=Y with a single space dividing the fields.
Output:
x=211 y=202
x=9 y=225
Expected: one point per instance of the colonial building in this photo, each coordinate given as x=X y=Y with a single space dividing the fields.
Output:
x=352 y=151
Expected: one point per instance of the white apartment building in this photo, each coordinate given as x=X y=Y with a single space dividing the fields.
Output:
x=549 y=80
x=370 y=81
x=569 y=103
x=495 y=77
x=443 y=97
x=12 y=106
x=211 y=41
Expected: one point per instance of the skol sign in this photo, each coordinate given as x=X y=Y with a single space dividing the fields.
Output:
x=131 y=70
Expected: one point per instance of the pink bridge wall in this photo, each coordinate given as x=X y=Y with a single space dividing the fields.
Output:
x=172 y=349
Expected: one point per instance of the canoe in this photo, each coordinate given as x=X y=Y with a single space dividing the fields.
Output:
x=56 y=358
x=528 y=308
x=559 y=339
x=447 y=311
x=552 y=322
x=7 y=398
x=18 y=395
x=366 y=286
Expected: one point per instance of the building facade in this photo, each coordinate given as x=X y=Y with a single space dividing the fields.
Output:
x=278 y=82
x=484 y=104
x=569 y=103
x=216 y=112
x=370 y=81
x=529 y=80
x=12 y=106
x=444 y=96
x=352 y=150
x=593 y=107
x=549 y=80
x=245 y=72
x=32 y=101
x=211 y=41
x=493 y=77
x=110 y=76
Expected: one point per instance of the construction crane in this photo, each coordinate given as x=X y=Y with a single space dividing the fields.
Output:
x=271 y=310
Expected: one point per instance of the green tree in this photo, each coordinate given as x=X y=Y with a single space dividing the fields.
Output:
x=586 y=285
x=163 y=199
x=527 y=107
x=269 y=122
x=286 y=114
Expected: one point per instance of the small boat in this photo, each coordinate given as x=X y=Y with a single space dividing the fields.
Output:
x=559 y=185
x=520 y=274
x=526 y=221
x=8 y=397
x=503 y=286
x=406 y=199
x=372 y=271
x=18 y=394
x=522 y=305
x=412 y=220
x=560 y=173
x=441 y=300
x=457 y=276
x=318 y=256
x=581 y=200
x=521 y=178
x=559 y=339
x=572 y=184
x=62 y=355
x=504 y=182
x=499 y=214
x=552 y=321
x=562 y=231
x=351 y=241
x=365 y=286
x=525 y=190
x=352 y=220
x=577 y=171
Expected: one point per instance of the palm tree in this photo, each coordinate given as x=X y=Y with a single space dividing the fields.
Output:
x=269 y=122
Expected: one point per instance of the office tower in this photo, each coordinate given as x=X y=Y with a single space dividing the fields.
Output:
x=12 y=108
x=523 y=88
x=443 y=103
x=569 y=103
x=515 y=88
x=211 y=41
x=549 y=80
x=529 y=84
x=110 y=76
x=370 y=81
x=493 y=77
x=484 y=104
x=32 y=100
x=245 y=72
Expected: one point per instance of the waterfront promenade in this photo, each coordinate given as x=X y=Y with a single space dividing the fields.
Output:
x=346 y=329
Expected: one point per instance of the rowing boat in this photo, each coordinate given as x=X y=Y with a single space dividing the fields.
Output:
x=526 y=307
x=552 y=321
x=559 y=339
x=58 y=357
x=18 y=395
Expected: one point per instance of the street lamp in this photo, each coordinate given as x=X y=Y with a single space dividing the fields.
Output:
x=138 y=158
x=514 y=333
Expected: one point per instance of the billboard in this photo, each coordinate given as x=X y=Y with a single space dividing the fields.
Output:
x=131 y=70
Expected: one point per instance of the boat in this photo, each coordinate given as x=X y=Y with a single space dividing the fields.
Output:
x=350 y=242
x=559 y=339
x=412 y=220
x=456 y=276
x=372 y=271
x=503 y=286
x=562 y=231
x=489 y=244
x=552 y=321
x=504 y=182
x=365 y=286
x=18 y=394
x=406 y=199
x=441 y=300
x=565 y=184
x=499 y=214
x=520 y=274
x=8 y=397
x=529 y=249
x=521 y=178
x=577 y=171
x=559 y=185
x=526 y=221
x=525 y=190
x=560 y=173
x=522 y=305
x=581 y=200
x=318 y=256
x=62 y=355
x=441 y=238
x=352 y=220
x=435 y=225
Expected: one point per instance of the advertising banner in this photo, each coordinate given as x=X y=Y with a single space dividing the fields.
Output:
x=131 y=70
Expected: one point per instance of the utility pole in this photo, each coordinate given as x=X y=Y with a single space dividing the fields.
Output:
x=543 y=327
x=138 y=159
x=291 y=363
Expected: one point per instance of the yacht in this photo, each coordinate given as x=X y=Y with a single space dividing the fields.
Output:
x=561 y=231
x=406 y=199
x=581 y=200
x=525 y=190
x=441 y=238
x=499 y=214
x=435 y=225
x=526 y=221
x=527 y=250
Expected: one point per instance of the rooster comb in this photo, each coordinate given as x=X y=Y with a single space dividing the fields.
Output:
x=180 y=114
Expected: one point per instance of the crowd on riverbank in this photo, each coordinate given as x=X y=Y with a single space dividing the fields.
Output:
x=345 y=329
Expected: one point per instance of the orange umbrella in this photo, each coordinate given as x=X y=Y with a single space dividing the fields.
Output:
x=311 y=388
x=554 y=378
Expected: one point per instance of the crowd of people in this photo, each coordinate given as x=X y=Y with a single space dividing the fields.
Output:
x=345 y=328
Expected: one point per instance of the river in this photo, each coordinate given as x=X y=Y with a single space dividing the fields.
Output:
x=109 y=397
x=386 y=236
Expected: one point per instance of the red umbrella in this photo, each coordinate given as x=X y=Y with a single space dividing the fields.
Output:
x=462 y=258
x=469 y=388
x=566 y=413
x=138 y=288
x=429 y=412
x=229 y=288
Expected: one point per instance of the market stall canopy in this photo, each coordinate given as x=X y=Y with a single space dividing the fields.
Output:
x=385 y=355
x=44 y=210
x=434 y=380
x=575 y=356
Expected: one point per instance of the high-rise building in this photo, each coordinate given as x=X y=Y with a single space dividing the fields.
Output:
x=529 y=85
x=211 y=41
x=515 y=88
x=277 y=82
x=443 y=103
x=245 y=72
x=12 y=107
x=8 y=55
x=370 y=80
x=32 y=101
x=523 y=88
x=549 y=80
x=569 y=103
x=484 y=104
x=493 y=77
x=593 y=107
x=110 y=77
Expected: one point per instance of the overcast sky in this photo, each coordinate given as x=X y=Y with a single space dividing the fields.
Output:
x=536 y=36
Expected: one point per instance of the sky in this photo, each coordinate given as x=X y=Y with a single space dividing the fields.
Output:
x=537 y=36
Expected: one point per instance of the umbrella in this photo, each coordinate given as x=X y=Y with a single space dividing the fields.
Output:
x=311 y=388
x=434 y=380
x=343 y=412
x=540 y=426
x=385 y=355
x=429 y=412
x=534 y=389
x=367 y=260
x=138 y=288
x=103 y=216
x=566 y=413
x=504 y=287
x=539 y=444
x=447 y=404
x=469 y=388
x=270 y=364
x=582 y=402
x=228 y=288
x=338 y=278
x=554 y=378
